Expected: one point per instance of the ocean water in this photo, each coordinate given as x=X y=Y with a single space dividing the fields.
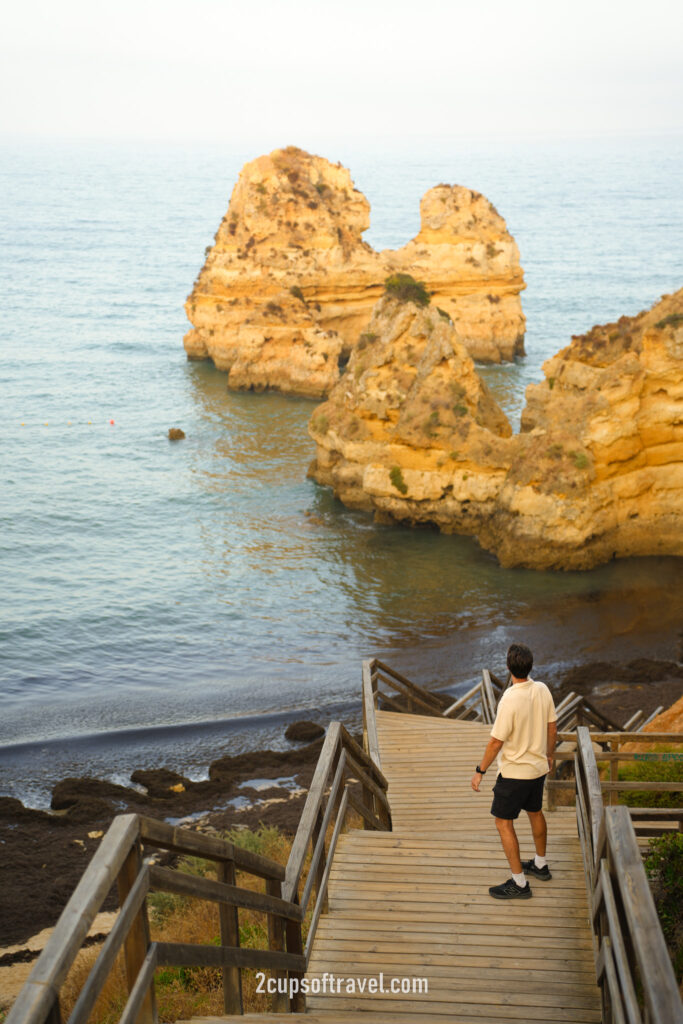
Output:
x=169 y=603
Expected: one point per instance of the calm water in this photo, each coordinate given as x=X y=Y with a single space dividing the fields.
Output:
x=170 y=603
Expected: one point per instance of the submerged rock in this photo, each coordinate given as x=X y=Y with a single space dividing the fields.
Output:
x=289 y=284
x=176 y=434
x=413 y=434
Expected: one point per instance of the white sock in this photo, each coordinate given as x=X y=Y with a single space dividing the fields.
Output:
x=539 y=861
x=519 y=879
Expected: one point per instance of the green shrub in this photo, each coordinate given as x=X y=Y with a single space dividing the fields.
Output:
x=555 y=451
x=406 y=289
x=396 y=477
x=460 y=410
x=321 y=424
x=651 y=771
x=670 y=321
x=664 y=866
x=551 y=383
x=446 y=316
x=296 y=292
x=580 y=459
x=366 y=339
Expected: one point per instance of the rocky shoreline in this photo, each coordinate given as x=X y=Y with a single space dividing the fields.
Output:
x=44 y=854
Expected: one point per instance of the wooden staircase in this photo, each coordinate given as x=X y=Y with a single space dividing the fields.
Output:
x=414 y=902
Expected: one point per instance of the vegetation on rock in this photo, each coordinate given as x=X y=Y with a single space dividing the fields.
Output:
x=405 y=288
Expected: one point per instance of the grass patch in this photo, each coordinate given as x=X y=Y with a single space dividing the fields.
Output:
x=580 y=459
x=321 y=424
x=664 y=867
x=673 y=320
x=396 y=477
x=405 y=288
x=651 y=771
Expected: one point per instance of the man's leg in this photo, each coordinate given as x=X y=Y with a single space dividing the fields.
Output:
x=508 y=837
x=539 y=830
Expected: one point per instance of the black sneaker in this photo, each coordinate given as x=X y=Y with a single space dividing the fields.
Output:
x=510 y=891
x=529 y=868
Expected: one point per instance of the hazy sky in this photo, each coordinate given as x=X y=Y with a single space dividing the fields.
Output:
x=273 y=72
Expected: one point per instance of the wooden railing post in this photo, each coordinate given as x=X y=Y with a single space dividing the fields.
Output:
x=295 y=944
x=55 y=1014
x=614 y=773
x=230 y=936
x=136 y=945
x=276 y=942
x=320 y=866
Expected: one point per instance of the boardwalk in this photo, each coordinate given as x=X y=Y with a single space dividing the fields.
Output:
x=414 y=902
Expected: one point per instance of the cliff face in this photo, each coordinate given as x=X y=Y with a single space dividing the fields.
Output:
x=290 y=284
x=610 y=412
x=597 y=472
x=410 y=430
x=470 y=264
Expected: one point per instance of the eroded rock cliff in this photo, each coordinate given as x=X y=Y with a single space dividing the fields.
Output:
x=289 y=284
x=412 y=433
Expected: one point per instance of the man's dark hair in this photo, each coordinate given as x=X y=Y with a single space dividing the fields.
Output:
x=520 y=660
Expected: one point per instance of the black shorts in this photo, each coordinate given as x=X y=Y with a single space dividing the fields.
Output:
x=510 y=796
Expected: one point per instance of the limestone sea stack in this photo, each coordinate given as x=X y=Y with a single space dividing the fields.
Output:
x=289 y=285
x=412 y=433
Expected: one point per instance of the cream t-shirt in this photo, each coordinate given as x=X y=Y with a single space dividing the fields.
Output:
x=524 y=711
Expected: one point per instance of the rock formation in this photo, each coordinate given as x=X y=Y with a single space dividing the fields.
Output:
x=289 y=284
x=411 y=433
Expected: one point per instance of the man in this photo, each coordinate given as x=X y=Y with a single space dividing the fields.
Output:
x=524 y=735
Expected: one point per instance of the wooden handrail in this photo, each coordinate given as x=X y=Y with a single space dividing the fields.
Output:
x=167 y=880
x=181 y=840
x=374 y=786
x=110 y=950
x=181 y=954
x=631 y=954
x=40 y=994
x=370 y=738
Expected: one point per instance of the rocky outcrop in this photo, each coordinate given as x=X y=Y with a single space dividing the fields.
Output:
x=470 y=264
x=289 y=284
x=411 y=433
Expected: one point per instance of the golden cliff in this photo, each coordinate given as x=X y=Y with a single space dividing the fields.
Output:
x=289 y=284
x=597 y=472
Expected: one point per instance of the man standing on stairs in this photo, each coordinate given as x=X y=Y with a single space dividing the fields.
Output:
x=523 y=735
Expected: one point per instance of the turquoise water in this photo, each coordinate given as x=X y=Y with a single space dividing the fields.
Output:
x=173 y=602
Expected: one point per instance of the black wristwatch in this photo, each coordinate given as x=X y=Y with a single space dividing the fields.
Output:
x=479 y=771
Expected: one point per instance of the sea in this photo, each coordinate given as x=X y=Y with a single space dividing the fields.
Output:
x=169 y=603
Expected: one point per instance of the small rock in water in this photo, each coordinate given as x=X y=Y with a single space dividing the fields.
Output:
x=176 y=434
x=304 y=732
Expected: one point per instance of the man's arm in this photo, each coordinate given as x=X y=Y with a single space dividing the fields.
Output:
x=550 y=743
x=492 y=749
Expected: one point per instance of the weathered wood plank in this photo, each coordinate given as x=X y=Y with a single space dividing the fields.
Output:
x=38 y=994
x=181 y=954
x=234 y=896
x=183 y=840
